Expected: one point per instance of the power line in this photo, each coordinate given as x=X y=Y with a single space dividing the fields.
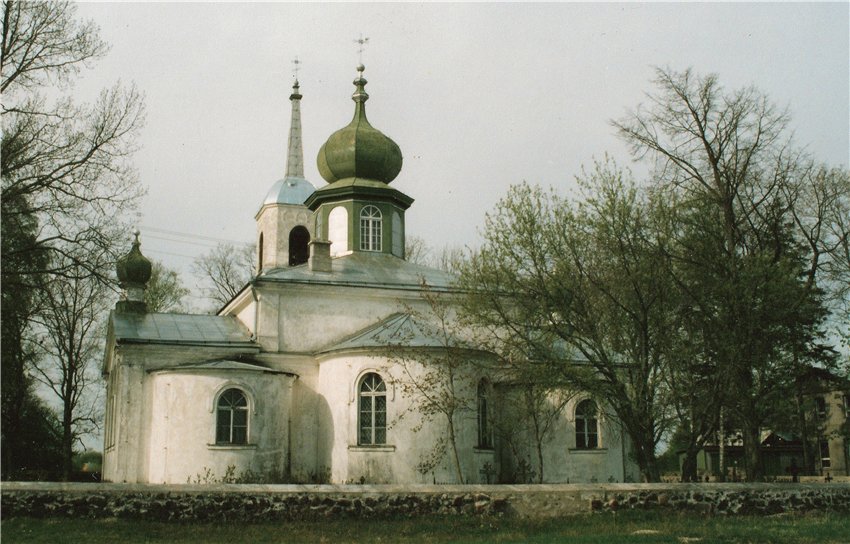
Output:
x=202 y=244
x=193 y=257
x=196 y=236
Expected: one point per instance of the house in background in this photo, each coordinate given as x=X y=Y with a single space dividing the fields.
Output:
x=296 y=378
x=820 y=445
x=826 y=399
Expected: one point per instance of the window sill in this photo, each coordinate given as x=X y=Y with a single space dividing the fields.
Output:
x=480 y=449
x=582 y=451
x=231 y=446
x=377 y=447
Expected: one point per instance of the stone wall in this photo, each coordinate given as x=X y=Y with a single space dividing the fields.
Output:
x=297 y=502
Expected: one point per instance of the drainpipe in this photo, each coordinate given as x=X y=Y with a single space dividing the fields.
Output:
x=289 y=430
x=256 y=298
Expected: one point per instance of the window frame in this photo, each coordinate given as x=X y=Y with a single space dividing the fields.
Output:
x=587 y=425
x=232 y=410
x=375 y=391
x=371 y=228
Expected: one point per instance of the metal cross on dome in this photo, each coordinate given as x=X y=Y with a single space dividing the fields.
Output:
x=295 y=65
x=362 y=43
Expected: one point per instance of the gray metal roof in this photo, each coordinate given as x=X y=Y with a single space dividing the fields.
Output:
x=223 y=364
x=362 y=269
x=290 y=190
x=180 y=329
x=399 y=329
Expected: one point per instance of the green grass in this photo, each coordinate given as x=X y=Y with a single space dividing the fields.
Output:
x=599 y=528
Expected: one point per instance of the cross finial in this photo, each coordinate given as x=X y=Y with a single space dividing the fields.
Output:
x=295 y=66
x=362 y=43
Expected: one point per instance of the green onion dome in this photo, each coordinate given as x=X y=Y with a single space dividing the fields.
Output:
x=359 y=150
x=133 y=268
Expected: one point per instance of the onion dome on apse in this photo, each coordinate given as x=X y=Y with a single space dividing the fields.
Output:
x=359 y=150
x=133 y=269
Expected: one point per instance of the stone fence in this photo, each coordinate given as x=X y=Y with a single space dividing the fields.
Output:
x=246 y=502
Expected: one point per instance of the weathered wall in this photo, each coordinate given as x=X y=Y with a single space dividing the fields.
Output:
x=284 y=502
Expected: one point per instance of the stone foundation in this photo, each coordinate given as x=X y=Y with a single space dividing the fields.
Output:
x=313 y=502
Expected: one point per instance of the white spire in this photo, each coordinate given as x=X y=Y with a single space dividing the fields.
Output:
x=295 y=156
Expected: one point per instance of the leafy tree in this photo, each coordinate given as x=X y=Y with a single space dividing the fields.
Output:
x=19 y=304
x=728 y=154
x=574 y=287
x=165 y=291
x=36 y=446
x=224 y=271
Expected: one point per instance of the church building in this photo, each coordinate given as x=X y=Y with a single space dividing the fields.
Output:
x=304 y=375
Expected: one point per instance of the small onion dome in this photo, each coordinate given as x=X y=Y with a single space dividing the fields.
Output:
x=290 y=190
x=359 y=150
x=133 y=268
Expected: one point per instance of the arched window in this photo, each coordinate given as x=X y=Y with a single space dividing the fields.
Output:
x=299 y=239
x=372 y=405
x=485 y=433
x=370 y=229
x=231 y=420
x=338 y=230
x=587 y=425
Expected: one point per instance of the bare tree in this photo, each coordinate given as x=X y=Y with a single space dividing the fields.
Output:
x=416 y=250
x=67 y=181
x=69 y=163
x=224 y=271
x=729 y=156
x=70 y=324
x=165 y=291
x=438 y=378
x=447 y=258
x=42 y=42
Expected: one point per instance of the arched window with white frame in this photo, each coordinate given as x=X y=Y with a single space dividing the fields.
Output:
x=231 y=417
x=370 y=229
x=587 y=425
x=485 y=432
x=372 y=410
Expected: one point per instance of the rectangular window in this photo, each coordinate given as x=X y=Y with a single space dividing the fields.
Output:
x=820 y=405
x=824 y=454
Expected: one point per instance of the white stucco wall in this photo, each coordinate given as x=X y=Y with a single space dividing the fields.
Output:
x=183 y=417
x=410 y=438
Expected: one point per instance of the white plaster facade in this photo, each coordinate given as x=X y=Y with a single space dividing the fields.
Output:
x=296 y=345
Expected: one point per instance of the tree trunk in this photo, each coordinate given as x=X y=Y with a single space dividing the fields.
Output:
x=752 y=453
x=67 y=447
x=539 y=462
x=689 y=465
x=645 y=457
x=455 y=457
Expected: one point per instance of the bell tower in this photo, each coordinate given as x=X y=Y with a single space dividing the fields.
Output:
x=285 y=226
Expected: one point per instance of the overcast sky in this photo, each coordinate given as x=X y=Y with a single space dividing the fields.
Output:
x=478 y=96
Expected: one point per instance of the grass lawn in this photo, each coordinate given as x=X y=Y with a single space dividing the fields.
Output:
x=641 y=527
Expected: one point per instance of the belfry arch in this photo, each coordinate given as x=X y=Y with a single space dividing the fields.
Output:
x=299 y=250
